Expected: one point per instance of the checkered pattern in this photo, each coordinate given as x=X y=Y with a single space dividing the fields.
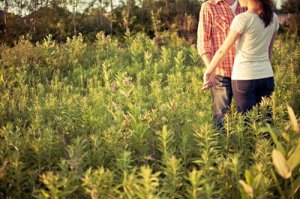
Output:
x=214 y=25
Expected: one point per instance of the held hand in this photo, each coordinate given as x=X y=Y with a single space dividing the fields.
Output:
x=208 y=80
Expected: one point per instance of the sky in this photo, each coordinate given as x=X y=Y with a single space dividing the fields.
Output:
x=278 y=3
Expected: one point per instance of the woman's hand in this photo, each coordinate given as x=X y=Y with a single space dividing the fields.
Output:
x=208 y=80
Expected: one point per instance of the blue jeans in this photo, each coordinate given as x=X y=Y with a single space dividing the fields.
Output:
x=222 y=96
x=248 y=93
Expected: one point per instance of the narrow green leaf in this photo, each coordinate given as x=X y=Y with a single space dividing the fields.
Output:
x=280 y=164
x=276 y=182
x=296 y=185
x=247 y=188
x=293 y=119
x=275 y=140
x=294 y=159
x=248 y=177
x=256 y=181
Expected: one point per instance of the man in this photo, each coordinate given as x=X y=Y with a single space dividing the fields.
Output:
x=214 y=24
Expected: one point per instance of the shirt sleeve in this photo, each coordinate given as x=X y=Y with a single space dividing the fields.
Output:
x=204 y=30
x=276 y=22
x=238 y=24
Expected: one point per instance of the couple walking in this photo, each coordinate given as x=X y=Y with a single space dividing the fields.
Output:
x=243 y=72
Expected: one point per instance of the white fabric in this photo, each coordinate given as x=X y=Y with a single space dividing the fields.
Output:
x=252 y=55
x=234 y=6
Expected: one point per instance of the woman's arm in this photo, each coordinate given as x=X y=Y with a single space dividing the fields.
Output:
x=219 y=56
x=222 y=51
x=271 y=45
x=275 y=20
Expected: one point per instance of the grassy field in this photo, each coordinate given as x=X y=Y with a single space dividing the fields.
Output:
x=127 y=119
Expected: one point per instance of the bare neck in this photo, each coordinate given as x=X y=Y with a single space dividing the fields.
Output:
x=252 y=7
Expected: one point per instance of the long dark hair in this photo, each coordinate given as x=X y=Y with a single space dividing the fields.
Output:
x=266 y=11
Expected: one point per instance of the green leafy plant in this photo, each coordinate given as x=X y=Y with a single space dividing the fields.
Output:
x=126 y=118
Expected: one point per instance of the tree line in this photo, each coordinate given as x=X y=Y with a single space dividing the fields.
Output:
x=65 y=18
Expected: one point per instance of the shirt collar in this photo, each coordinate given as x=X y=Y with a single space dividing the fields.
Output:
x=238 y=3
x=217 y=1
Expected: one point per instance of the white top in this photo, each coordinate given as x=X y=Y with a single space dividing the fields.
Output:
x=252 y=56
x=234 y=6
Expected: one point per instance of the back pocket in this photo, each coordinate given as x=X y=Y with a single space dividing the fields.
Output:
x=244 y=86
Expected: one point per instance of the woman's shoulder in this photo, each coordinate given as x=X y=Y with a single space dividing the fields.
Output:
x=244 y=15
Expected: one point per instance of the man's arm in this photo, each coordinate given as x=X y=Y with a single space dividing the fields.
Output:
x=204 y=34
x=206 y=59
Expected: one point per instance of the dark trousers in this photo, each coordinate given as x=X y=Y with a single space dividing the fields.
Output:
x=248 y=93
x=222 y=97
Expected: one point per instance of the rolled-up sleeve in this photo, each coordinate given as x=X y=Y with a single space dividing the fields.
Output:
x=204 y=30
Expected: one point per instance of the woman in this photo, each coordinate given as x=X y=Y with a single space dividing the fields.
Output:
x=252 y=74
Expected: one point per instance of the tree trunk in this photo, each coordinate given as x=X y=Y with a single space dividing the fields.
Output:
x=74 y=16
x=5 y=19
x=111 y=16
x=143 y=12
x=127 y=15
x=101 y=13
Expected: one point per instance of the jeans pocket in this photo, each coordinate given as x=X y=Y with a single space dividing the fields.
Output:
x=222 y=81
x=218 y=81
x=244 y=86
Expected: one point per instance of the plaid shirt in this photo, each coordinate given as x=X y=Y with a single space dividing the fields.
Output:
x=214 y=24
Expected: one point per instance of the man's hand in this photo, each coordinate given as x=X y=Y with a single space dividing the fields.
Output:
x=208 y=80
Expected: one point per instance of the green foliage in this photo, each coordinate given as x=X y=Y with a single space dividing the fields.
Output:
x=127 y=119
x=173 y=178
x=64 y=183
x=287 y=160
x=98 y=183
x=193 y=186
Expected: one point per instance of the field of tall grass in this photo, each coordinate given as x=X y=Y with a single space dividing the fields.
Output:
x=127 y=119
